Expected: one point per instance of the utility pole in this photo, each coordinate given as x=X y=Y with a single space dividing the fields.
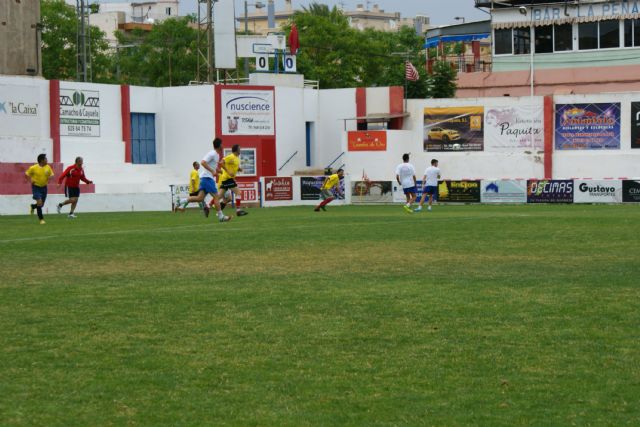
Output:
x=205 y=41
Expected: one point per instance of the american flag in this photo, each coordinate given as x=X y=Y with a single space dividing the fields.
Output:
x=410 y=72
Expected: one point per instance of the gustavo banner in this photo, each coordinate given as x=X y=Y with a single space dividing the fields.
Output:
x=550 y=191
x=459 y=191
x=368 y=192
x=597 y=191
x=247 y=112
x=374 y=140
x=504 y=191
x=310 y=188
x=514 y=128
x=588 y=126
x=454 y=129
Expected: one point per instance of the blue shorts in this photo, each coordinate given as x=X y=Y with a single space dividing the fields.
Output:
x=39 y=193
x=431 y=189
x=208 y=185
x=410 y=190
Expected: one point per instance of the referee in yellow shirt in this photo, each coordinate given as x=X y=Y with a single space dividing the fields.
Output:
x=326 y=193
x=39 y=175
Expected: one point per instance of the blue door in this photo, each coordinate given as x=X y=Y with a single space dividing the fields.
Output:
x=143 y=138
x=309 y=133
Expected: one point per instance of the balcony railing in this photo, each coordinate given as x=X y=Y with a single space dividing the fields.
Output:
x=464 y=63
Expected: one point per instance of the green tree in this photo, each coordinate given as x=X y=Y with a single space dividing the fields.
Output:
x=443 y=81
x=59 y=44
x=165 y=56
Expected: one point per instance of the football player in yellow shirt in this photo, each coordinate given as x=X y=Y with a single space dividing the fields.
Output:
x=230 y=166
x=39 y=175
x=194 y=185
x=326 y=193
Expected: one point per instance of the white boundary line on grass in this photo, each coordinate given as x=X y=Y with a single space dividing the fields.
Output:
x=227 y=229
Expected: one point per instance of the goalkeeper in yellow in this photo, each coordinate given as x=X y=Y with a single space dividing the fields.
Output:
x=326 y=191
x=229 y=168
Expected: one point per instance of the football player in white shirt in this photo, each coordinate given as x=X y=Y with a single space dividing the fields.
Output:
x=430 y=179
x=406 y=177
x=207 y=173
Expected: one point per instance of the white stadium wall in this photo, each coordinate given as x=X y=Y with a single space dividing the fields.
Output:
x=24 y=133
x=290 y=129
x=335 y=105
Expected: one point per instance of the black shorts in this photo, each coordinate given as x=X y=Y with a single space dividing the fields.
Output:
x=72 y=191
x=228 y=184
x=195 y=193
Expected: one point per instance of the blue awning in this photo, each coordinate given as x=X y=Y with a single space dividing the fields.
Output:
x=434 y=41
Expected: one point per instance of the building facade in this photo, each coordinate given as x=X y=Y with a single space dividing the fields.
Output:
x=20 y=38
x=557 y=47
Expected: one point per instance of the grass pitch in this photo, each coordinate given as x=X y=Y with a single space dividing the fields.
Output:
x=469 y=315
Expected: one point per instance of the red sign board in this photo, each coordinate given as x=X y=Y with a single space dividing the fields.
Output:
x=249 y=191
x=278 y=188
x=373 y=140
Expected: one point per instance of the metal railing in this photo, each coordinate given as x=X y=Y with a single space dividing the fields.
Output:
x=288 y=160
x=464 y=63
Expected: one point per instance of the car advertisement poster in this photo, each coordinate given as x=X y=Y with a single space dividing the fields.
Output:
x=631 y=190
x=514 y=128
x=635 y=125
x=503 y=191
x=79 y=112
x=310 y=188
x=454 y=129
x=247 y=112
x=550 y=191
x=371 y=192
x=588 y=126
x=597 y=191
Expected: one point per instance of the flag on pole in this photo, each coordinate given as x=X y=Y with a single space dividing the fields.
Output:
x=410 y=72
x=294 y=43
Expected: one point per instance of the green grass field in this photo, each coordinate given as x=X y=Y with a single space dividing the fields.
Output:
x=469 y=315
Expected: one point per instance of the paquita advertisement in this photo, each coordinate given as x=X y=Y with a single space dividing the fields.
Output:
x=19 y=111
x=79 y=112
x=588 y=126
x=514 y=128
x=597 y=191
x=247 y=112
x=504 y=191
x=454 y=129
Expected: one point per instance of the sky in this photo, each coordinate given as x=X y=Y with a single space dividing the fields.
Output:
x=441 y=12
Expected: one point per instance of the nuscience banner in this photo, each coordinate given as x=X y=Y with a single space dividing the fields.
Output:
x=247 y=112
x=588 y=126
x=514 y=128
x=597 y=191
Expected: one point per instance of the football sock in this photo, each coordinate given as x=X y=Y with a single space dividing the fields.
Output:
x=33 y=206
x=325 y=202
x=220 y=214
x=39 y=210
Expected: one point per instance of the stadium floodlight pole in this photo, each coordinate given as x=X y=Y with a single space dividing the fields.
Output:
x=257 y=5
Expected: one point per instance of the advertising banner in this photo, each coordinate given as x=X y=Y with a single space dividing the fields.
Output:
x=373 y=140
x=79 y=112
x=513 y=128
x=588 y=126
x=368 y=192
x=635 y=125
x=459 y=191
x=247 y=112
x=248 y=192
x=504 y=191
x=597 y=191
x=19 y=111
x=310 y=188
x=631 y=190
x=550 y=191
x=454 y=129
x=278 y=188
x=247 y=161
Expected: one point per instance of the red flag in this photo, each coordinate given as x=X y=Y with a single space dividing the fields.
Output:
x=410 y=72
x=294 y=43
